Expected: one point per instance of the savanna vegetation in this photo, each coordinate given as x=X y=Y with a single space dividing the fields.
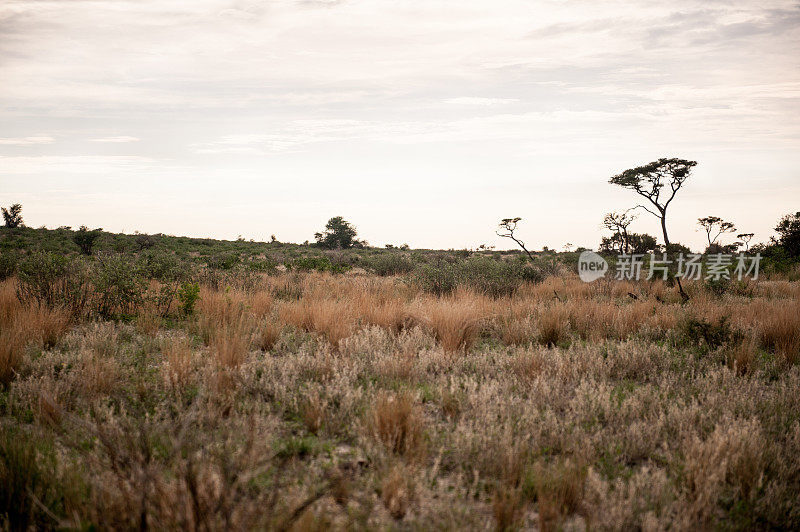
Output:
x=157 y=382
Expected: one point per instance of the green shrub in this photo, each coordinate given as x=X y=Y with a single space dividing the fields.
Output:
x=262 y=265
x=495 y=278
x=700 y=331
x=224 y=261
x=439 y=278
x=119 y=286
x=188 y=295
x=8 y=264
x=390 y=264
x=718 y=287
x=320 y=264
x=85 y=238
x=491 y=277
x=53 y=280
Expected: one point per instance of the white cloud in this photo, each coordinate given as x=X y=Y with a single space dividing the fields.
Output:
x=475 y=100
x=119 y=139
x=26 y=141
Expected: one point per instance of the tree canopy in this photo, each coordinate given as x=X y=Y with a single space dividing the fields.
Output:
x=338 y=234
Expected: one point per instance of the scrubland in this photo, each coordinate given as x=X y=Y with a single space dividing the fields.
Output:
x=304 y=401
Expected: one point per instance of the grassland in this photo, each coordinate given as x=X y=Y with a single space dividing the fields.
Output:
x=305 y=400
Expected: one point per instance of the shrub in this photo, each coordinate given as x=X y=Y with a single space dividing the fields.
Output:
x=440 y=278
x=714 y=334
x=390 y=264
x=188 y=294
x=8 y=264
x=320 y=264
x=119 y=287
x=482 y=274
x=491 y=277
x=225 y=261
x=85 y=239
x=53 y=281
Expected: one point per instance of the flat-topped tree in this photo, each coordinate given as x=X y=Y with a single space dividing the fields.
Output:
x=658 y=182
x=715 y=224
x=506 y=230
x=745 y=239
x=618 y=223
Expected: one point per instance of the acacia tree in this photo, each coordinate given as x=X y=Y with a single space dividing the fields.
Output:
x=506 y=230
x=618 y=223
x=745 y=239
x=649 y=181
x=85 y=238
x=338 y=234
x=13 y=216
x=712 y=224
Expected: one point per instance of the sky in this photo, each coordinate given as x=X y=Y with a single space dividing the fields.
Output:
x=420 y=122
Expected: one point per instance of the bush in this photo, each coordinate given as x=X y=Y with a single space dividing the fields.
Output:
x=439 y=278
x=163 y=266
x=320 y=264
x=389 y=264
x=53 y=280
x=491 y=277
x=714 y=334
x=119 y=286
x=188 y=295
x=85 y=239
x=225 y=261
x=8 y=264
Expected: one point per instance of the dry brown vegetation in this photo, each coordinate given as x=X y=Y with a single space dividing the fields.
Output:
x=351 y=401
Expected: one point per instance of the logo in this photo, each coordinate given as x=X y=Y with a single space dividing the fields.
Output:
x=591 y=266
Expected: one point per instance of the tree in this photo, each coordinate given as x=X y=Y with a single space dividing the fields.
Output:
x=507 y=228
x=338 y=234
x=618 y=223
x=745 y=239
x=85 y=238
x=13 y=216
x=789 y=230
x=649 y=181
x=715 y=225
x=642 y=243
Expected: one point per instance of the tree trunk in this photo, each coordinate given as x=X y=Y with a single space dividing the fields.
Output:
x=666 y=248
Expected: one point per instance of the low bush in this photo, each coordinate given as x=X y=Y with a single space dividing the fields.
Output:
x=320 y=264
x=119 y=286
x=8 y=264
x=54 y=281
x=389 y=264
x=495 y=278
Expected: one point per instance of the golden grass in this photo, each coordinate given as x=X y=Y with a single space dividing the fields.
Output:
x=598 y=412
x=23 y=325
x=455 y=321
x=396 y=420
x=397 y=491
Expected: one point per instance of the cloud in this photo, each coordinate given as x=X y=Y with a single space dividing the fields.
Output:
x=26 y=141
x=475 y=100
x=115 y=139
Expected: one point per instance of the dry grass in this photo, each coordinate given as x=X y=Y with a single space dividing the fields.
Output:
x=396 y=420
x=178 y=362
x=455 y=321
x=335 y=402
x=397 y=491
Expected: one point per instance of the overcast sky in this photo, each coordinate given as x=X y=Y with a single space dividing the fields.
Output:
x=419 y=121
